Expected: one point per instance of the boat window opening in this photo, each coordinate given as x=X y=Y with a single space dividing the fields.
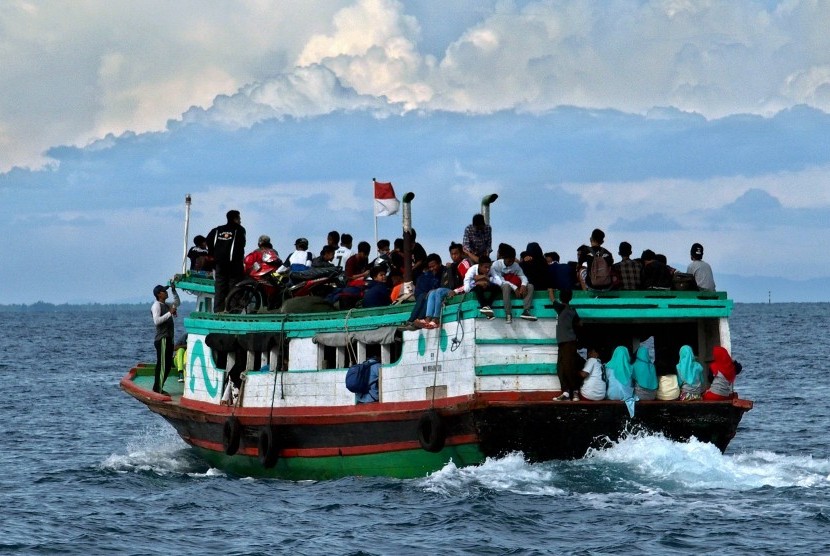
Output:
x=283 y=359
x=330 y=357
x=664 y=339
x=220 y=358
x=374 y=350
x=327 y=357
x=353 y=353
x=396 y=348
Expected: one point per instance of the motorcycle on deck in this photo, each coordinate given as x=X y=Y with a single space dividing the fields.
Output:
x=265 y=289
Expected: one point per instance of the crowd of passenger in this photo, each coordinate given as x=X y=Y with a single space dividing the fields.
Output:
x=629 y=373
x=633 y=377
x=470 y=269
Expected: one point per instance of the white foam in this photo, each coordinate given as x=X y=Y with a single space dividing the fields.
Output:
x=655 y=459
x=156 y=449
x=650 y=465
x=510 y=473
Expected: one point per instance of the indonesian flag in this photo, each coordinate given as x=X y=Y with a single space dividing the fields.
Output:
x=386 y=204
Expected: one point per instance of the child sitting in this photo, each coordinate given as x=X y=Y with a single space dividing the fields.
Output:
x=593 y=387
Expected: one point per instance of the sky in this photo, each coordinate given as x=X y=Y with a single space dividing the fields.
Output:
x=662 y=122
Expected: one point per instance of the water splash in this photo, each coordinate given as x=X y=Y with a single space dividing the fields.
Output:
x=158 y=450
x=510 y=473
x=647 y=464
x=701 y=466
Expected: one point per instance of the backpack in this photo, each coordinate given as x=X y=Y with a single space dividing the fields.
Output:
x=600 y=271
x=357 y=377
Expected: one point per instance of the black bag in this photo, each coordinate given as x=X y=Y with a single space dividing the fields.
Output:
x=682 y=281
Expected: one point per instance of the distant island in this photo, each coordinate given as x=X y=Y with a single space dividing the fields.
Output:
x=43 y=307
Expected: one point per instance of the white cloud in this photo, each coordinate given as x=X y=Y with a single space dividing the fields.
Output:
x=308 y=91
x=70 y=76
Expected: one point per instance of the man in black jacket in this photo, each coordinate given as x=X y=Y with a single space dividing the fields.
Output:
x=226 y=244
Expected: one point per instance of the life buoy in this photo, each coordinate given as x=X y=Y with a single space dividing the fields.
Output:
x=231 y=433
x=431 y=432
x=267 y=448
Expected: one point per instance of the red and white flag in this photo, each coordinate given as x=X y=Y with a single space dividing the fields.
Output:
x=386 y=204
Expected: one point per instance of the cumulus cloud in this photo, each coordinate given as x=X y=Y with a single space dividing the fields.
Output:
x=73 y=76
x=309 y=91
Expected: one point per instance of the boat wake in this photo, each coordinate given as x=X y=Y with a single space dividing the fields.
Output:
x=160 y=451
x=640 y=462
x=701 y=466
x=510 y=473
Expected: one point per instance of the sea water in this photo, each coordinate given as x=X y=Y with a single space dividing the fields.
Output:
x=86 y=469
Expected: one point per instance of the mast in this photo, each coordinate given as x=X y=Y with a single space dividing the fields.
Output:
x=186 y=230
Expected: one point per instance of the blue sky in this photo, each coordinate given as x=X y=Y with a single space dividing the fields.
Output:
x=662 y=122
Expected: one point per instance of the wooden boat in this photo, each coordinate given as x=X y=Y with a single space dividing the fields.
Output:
x=471 y=389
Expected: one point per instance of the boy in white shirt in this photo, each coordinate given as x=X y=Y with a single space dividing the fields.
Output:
x=593 y=388
x=481 y=280
x=512 y=280
x=299 y=260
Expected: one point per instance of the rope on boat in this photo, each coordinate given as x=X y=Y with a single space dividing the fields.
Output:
x=276 y=370
x=349 y=346
x=437 y=350
x=456 y=341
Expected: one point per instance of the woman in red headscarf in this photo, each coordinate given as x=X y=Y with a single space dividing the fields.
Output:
x=723 y=373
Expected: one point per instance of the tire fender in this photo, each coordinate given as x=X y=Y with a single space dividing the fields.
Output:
x=431 y=433
x=231 y=433
x=267 y=448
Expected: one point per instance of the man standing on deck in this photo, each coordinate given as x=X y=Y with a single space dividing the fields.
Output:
x=226 y=244
x=163 y=315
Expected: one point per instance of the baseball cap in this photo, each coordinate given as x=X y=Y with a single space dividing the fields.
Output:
x=159 y=288
x=697 y=250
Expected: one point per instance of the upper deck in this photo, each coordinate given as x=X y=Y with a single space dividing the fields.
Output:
x=592 y=306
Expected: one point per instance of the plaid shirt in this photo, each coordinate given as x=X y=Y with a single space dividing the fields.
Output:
x=478 y=241
x=631 y=274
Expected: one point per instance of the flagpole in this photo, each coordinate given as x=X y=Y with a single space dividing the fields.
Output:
x=374 y=212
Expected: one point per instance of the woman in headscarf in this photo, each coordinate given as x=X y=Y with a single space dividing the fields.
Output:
x=535 y=267
x=664 y=359
x=723 y=372
x=689 y=375
x=620 y=372
x=645 y=375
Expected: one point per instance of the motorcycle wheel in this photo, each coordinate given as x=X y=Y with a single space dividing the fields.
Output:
x=243 y=300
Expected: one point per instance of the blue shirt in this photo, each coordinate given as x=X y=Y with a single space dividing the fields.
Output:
x=376 y=294
x=373 y=394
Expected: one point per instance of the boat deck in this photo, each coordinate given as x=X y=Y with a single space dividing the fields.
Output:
x=145 y=375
